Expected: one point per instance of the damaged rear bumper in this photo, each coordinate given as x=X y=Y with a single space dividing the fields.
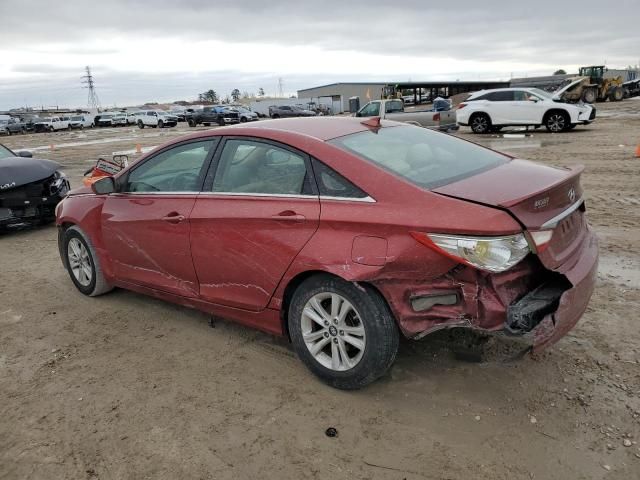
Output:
x=530 y=301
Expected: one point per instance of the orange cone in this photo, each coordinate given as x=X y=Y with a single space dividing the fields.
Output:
x=638 y=151
x=139 y=148
x=52 y=147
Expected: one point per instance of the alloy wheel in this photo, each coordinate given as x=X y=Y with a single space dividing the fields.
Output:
x=480 y=124
x=79 y=262
x=333 y=331
x=556 y=122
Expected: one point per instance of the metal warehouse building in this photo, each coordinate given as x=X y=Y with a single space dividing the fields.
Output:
x=337 y=94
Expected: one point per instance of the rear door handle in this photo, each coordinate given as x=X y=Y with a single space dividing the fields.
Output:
x=174 y=217
x=289 y=216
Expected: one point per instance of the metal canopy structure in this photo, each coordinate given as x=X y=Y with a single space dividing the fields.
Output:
x=446 y=88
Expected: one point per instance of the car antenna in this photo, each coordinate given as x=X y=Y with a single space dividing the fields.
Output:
x=372 y=122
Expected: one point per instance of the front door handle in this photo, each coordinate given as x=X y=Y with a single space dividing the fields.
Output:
x=289 y=216
x=174 y=217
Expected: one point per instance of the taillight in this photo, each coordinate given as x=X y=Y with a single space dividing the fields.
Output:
x=541 y=239
x=461 y=105
x=436 y=117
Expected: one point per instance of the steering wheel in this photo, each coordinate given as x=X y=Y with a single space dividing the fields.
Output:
x=185 y=182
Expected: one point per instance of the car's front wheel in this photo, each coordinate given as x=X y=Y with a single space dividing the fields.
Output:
x=160 y=124
x=480 y=123
x=82 y=263
x=345 y=334
x=140 y=124
x=556 y=121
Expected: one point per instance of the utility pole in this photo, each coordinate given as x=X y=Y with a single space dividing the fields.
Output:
x=280 y=88
x=87 y=81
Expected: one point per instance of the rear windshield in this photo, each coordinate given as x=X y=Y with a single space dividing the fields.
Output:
x=425 y=158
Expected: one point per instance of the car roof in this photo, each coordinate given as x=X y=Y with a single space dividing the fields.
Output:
x=320 y=128
x=491 y=90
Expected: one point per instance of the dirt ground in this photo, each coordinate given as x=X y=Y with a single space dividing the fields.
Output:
x=128 y=387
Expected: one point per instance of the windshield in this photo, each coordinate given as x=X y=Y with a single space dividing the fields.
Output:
x=46 y=119
x=105 y=116
x=425 y=158
x=5 y=152
x=541 y=93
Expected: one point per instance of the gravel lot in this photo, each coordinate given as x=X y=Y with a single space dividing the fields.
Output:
x=124 y=386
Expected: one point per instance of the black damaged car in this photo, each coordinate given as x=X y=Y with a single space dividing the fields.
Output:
x=30 y=189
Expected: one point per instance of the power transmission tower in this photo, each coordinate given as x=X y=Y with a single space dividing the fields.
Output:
x=92 y=99
x=280 y=88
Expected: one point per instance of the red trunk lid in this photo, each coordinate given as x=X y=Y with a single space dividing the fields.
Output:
x=539 y=196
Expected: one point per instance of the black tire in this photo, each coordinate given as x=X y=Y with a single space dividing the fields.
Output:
x=556 y=121
x=589 y=95
x=8 y=132
x=616 y=94
x=243 y=119
x=221 y=122
x=275 y=115
x=206 y=124
x=97 y=285
x=381 y=337
x=192 y=123
x=140 y=124
x=480 y=123
x=160 y=124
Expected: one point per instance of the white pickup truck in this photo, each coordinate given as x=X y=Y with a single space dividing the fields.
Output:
x=51 y=124
x=394 y=110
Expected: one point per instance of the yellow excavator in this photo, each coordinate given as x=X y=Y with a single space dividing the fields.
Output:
x=591 y=86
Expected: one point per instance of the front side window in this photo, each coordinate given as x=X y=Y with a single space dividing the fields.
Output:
x=179 y=169
x=425 y=158
x=370 y=110
x=248 y=166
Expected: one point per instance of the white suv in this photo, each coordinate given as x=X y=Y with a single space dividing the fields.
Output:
x=155 y=118
x=490 y=110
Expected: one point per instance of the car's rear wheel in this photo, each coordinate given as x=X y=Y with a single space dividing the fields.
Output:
x=83 y=264
x=140 y=124
x=345 y=334
x=275 y=115
x=243 y=119
x=556 y=121
x=480 y=123
x=192 y=123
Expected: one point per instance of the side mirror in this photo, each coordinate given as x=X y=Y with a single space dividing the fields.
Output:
x=25 y=154
x=122 y=160
x=104 y=186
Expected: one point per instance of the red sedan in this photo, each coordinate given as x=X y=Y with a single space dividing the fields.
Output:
x=341 y=234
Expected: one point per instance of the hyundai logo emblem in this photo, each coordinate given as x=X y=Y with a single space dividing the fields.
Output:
x=571 y=194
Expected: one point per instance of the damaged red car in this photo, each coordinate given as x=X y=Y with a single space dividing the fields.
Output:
x=341 y=234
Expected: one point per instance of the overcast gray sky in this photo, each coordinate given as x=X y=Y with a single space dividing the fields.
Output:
x=166 y=50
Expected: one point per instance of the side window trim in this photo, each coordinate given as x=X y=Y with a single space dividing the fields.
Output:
x=215 y=163
x=123 y=180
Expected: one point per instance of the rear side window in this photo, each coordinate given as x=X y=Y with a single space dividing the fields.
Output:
x=501 y=96
x=421 y=156
x=247 y=166
x=332 y=184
